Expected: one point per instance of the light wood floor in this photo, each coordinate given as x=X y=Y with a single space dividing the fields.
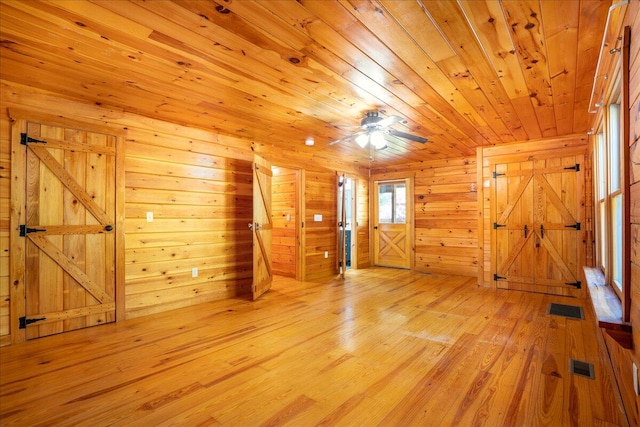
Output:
x=384 y=347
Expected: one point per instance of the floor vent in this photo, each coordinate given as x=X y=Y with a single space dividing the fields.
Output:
x=570 y=311
x=583 y=369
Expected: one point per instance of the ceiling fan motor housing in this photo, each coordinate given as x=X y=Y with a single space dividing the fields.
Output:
x=370 y=120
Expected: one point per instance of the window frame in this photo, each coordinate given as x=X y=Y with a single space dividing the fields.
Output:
x=605 y=225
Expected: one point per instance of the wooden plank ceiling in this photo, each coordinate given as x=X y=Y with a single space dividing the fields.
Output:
x=461 y=73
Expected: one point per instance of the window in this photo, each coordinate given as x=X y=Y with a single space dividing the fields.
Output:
x=609 y=171
x=392 y=203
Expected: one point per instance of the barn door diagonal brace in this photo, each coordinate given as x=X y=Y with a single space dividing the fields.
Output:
x=26 y=139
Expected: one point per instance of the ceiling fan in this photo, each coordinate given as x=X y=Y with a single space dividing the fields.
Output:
x=375 y=128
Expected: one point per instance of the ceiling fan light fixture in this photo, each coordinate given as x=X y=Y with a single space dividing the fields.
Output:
x=362 y=140
x=377 y=140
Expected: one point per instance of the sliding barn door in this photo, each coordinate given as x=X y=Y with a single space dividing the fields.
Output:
x=537 y=223
x=68 y=229
x=262 y=227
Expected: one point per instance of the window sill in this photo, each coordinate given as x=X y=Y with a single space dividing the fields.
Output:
x=608 y=308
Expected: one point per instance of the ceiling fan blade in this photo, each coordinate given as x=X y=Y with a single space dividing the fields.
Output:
x=389 y=121
x=353 y=135
x=415 y=138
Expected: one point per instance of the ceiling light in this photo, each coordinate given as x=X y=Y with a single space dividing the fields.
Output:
x=362 y=140
x=377 y=140
x=309 y=142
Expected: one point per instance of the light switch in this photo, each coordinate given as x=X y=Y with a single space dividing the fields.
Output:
x=317 y=217
x=149 y=216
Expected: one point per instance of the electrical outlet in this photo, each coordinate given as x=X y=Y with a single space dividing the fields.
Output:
x=635 y=379
x=194 y=272
x=326 y=254
x=149 y=216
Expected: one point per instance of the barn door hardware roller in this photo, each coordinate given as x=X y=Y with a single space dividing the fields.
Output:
x=577 y=285
x=25 y=139
x=576 y=226
x=24 y=230
x=24 y=321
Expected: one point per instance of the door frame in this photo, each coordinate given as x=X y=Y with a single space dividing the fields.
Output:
x=342 y=202
x=410 y=224
x=489 y=158
x=17 y=265
x=299 y=226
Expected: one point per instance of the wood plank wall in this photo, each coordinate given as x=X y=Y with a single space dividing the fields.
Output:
x=445 y=212
x=284 y=211
x=622 y=359
x=198 y=186
x=201 y=205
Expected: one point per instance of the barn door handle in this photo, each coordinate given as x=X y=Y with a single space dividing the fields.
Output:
x=542 y=231
x=526 y=231
x=108 y=228
x=375 y=227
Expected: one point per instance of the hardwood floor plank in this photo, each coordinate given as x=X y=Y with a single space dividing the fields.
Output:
x=381 y=347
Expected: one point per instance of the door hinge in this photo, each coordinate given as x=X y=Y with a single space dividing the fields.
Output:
x=496 y=225
x=25 y=139
x=496 y=277
x=496 y=174
x=577 y=285
x=576 y=167
x=24 y=321
x=24 y=230
x=576 y=226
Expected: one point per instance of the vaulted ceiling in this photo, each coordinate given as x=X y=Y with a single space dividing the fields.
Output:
x=461 y=73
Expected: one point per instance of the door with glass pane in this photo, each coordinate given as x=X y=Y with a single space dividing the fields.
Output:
x=392 y=223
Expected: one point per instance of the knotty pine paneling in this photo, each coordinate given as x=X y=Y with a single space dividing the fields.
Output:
x=284 y=211
x=445 y=213
x=445 y=206
x=193 y=195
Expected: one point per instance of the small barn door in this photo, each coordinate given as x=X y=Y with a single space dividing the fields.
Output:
x=262 y=227
x=537 y=221
x=68 y=229
x=392 y=242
